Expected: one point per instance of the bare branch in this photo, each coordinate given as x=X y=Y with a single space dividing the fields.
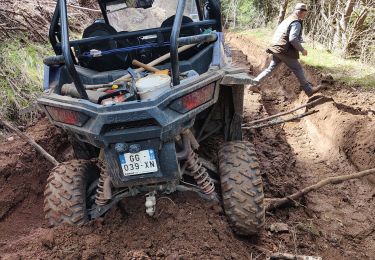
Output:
x=361 y=19
x=40 y=149
x=347 y=13
x=74 y=6
x=287 y=256
x=277 y=202
x=282 y=11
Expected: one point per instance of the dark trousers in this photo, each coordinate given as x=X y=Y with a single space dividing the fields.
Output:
x=293 y=65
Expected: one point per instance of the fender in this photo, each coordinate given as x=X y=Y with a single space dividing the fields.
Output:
x=237 y=79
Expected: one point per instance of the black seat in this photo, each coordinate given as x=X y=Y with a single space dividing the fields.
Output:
x=169 y=23
x=109 y=62
x=183 y=32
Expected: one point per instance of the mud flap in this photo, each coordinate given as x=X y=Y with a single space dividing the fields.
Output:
x=235 y=79
x=235 y=130
x=233 y=97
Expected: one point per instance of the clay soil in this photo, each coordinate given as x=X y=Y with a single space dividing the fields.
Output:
x=336 y=222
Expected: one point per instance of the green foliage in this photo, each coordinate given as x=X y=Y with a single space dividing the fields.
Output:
x=248 y=13
x=21 y=75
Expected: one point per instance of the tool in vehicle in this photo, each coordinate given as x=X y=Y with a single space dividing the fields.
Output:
x=145 y=66
x=157 y=61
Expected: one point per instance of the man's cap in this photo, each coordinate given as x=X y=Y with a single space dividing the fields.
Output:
x=300 y=6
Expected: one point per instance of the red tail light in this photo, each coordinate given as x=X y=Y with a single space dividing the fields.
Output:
x=67 y=116
x=194 y=99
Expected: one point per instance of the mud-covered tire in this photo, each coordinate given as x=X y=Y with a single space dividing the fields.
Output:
x=242 y=187
x=66 y=191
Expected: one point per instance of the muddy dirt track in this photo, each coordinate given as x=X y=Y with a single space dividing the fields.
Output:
x=337 y=222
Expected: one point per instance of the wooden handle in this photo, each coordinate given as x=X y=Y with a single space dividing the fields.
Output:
x=145 y=66
x=156 y=61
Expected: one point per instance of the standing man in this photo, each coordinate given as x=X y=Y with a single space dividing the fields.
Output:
x=286 y=45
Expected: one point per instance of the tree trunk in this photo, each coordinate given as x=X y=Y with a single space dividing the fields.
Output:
x=283 y=7
x=345 y=17
x=344 y=21
x=236 y=6
x=351 y=43
x=337 y=38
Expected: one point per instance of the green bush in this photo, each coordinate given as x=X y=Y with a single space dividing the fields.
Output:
x=21 y=75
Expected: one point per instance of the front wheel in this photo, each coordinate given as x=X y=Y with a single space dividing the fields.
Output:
x=242 y=187
x=66 y=192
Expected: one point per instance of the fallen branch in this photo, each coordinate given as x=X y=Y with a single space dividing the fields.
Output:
x=277 y=202
x=40 y=149
x=32 y=17
x=278 y=255
x=279 y=121
x=287 y=112
x=14 y=29
x=287 y=256
x=75 y=7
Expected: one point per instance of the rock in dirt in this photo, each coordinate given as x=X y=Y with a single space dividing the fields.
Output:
x=48 y=240
x=327 y=79
x=279 y=227
x=173 y=256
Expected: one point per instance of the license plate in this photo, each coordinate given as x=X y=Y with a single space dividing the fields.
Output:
x=138 y=163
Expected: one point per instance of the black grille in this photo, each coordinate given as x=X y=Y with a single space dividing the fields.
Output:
x=128 y=125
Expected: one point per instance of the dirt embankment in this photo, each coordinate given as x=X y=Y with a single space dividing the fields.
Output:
x=336 y=223
x=345 y=123
x=23 y=176
x=338 y=139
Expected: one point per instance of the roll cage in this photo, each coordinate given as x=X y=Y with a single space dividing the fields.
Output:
x=209 y=15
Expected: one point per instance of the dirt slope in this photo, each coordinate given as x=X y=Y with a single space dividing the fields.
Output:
x=336 y=223
x=338 y=139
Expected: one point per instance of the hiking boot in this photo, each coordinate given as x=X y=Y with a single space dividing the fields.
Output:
x=312 y=90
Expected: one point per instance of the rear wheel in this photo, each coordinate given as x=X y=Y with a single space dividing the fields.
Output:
x=65 y=196
x=242 y=187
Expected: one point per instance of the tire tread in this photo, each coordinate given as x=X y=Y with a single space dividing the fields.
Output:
x=242 y=187
x=65 y=192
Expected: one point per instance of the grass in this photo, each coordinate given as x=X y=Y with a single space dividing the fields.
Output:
x=348 y=71
x=262 y=36
x=21 y=75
